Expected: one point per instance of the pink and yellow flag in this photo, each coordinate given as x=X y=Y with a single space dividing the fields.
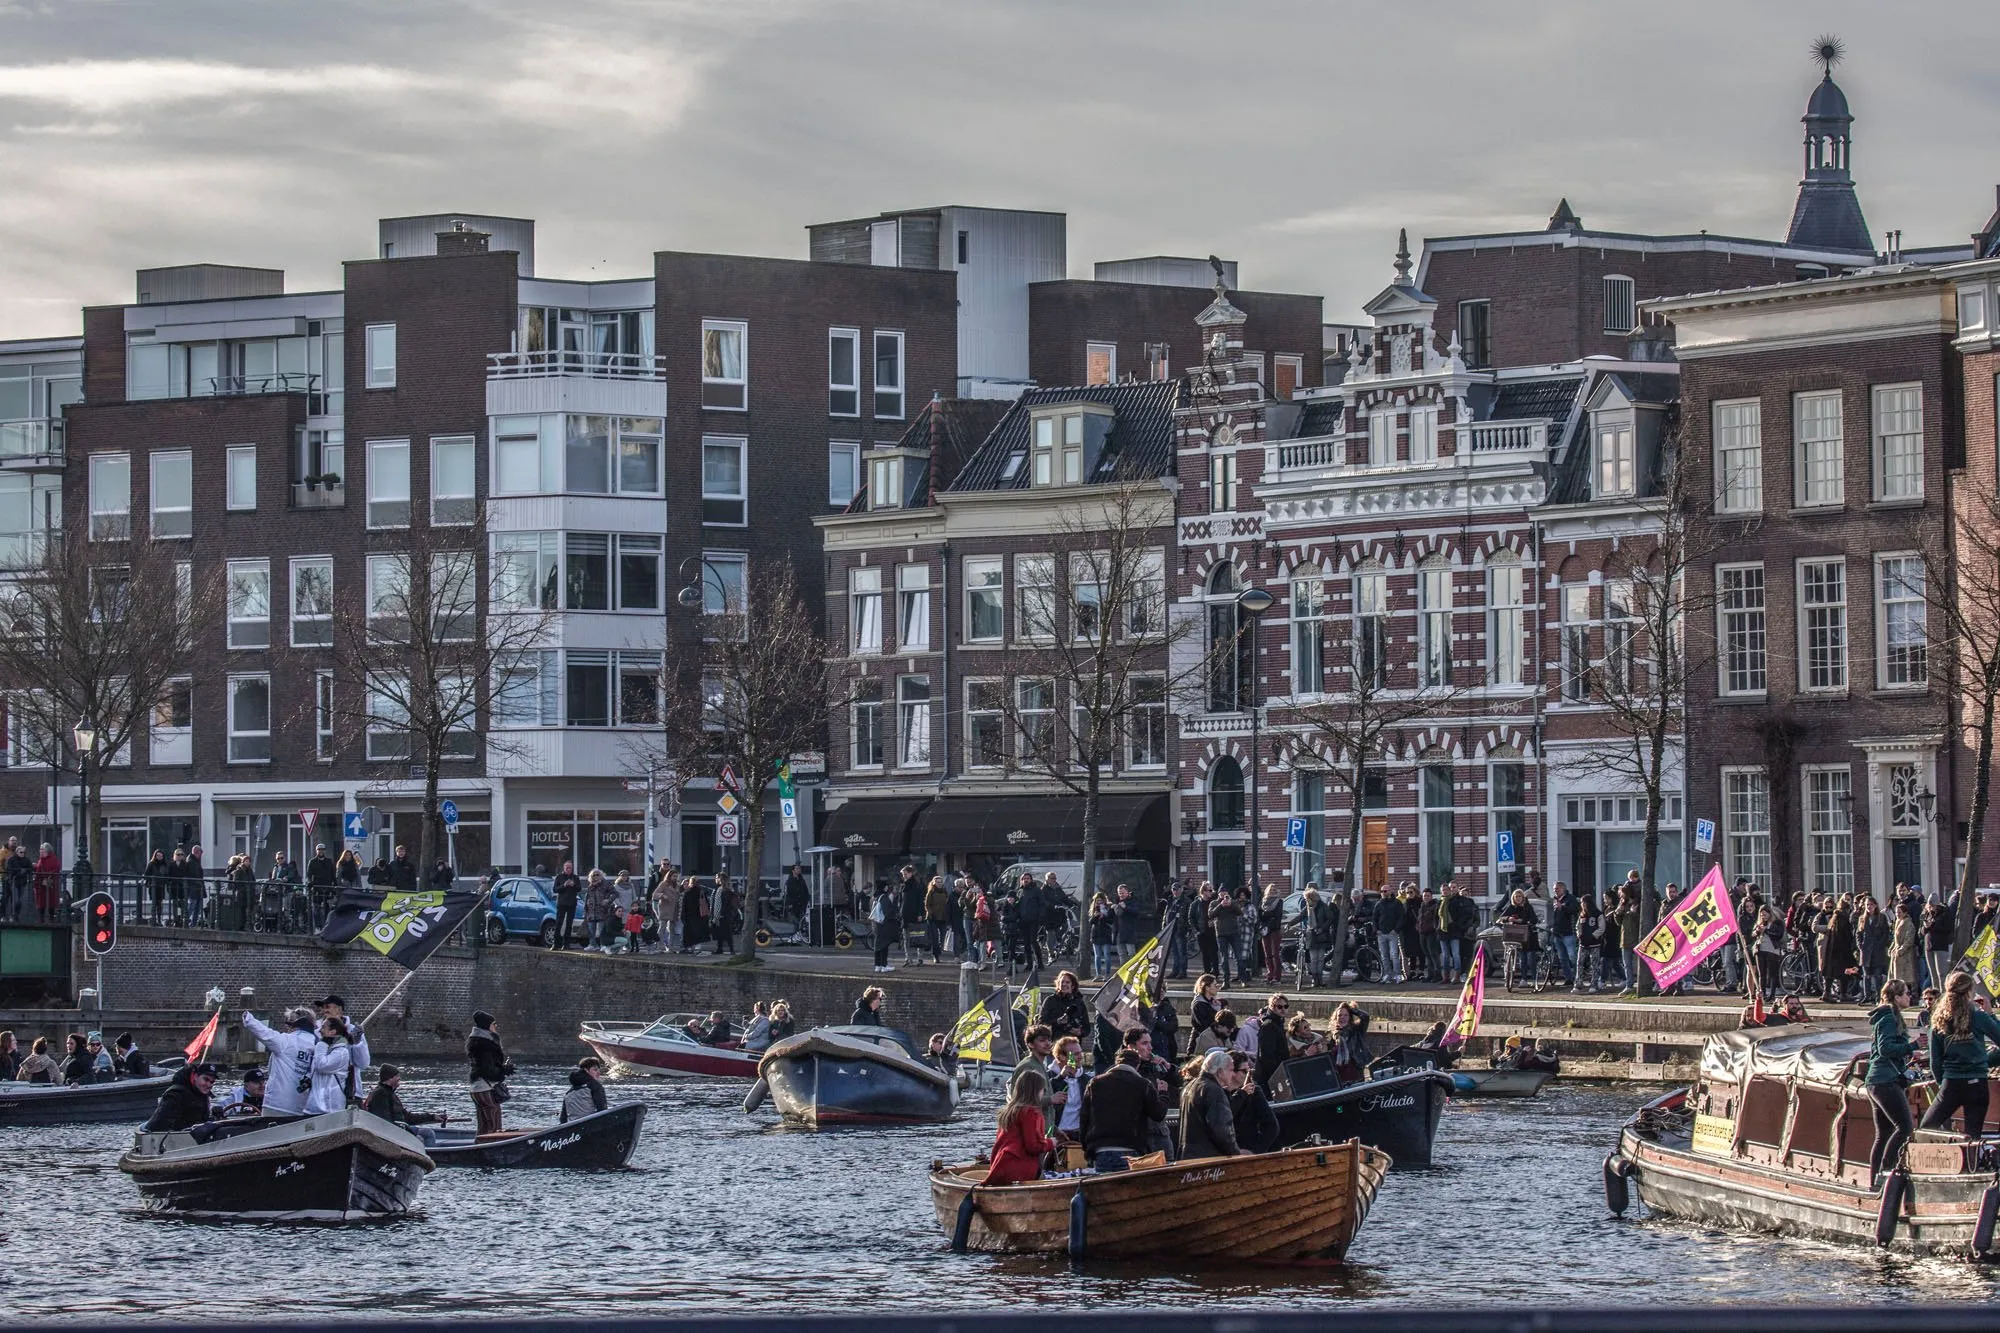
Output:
x=1465 y=1020
x=1697 y=926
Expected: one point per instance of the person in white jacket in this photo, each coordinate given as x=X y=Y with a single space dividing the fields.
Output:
x=335 y=1007
x=291 y=1060
x=333 y=1059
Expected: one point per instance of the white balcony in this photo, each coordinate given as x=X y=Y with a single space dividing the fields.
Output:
x=1311 y=454
x=33 y=443
x=524 y=383
x=1508 y=437
x=579 y=365
x=568 y=752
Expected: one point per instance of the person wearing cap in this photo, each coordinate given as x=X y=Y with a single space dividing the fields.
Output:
x=586 y=1094
x=291 y=1060
x=130 y=1064
x=185 y=1102
x=385 y=1102
x=248 y=1099
x=336 y=1008
x=103 y=1069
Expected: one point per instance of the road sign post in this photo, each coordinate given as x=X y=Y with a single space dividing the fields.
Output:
x=1503 y=848
x=728 y=831
x=1704 y=835
x=448 y=811
x=1295 y=835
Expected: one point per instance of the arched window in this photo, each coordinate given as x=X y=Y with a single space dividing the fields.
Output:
x=1225 y=796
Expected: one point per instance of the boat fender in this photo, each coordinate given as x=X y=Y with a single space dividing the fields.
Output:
x=961 y=1231
x=1891 y=1211
x=1982 y=1230
x=755 y=1097
x=1617 y=1193
x=1079 y=1224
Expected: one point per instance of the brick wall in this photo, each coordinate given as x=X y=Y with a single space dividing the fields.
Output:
x=1065 y=316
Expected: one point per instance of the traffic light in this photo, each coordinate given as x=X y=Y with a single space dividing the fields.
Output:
x=100 y=923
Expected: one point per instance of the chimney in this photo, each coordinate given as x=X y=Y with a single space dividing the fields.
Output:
x=462 y=240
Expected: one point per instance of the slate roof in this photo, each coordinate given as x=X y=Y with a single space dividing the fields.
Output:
x=1141 y=438
x=950 y=429
x=1528 y=400
x=1322 y=416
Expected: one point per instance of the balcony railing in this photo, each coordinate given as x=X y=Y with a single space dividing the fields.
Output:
x=1501 y=437
x=289 y=381
x=322 y=496
x=1312 y=453
x=583 y=365
x=37 y=442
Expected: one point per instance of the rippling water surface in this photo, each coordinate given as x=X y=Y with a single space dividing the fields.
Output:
x=729 y=1213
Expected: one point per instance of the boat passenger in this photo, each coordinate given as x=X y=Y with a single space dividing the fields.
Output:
x=1068 y=1083
x=1121 y=1110
x=291 y=1059
x=103 y=1069
x=10 y=1055
x=184 y=1104
x=1021 y=1140
x=80 y=1064
x=1888 y=1075
x=1250 y=1109
x=586 y=1094
x=868 y=1010
x=712 y=1031
x=40 y=1066
x=1272 y=1044
x=757 y=1037
x=941 y=1055
x=130 y=1063
x=248 y=1099
x=336 y=1008
x=490 y=1068
x=387 y=1102
x=1540 y=1058
x=1959 y=1033
x=1300 y=1038
x=782 y=1023
x=1207 y=1002
x=1208 y=1121
x=1219 y=1035
x=1039 y=1044
x=333 y=1062
x=1063 y=1010
x=1348 y=1040
x=1433 y=1046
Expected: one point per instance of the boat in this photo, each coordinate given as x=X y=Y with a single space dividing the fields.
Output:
x=122 y=1102
x=1466 y=1082
x=1397 y=1113
x=854 y=1076
x=1291 y=1206
x=599 y=1142
x=1774 y=1136
x=665 y=1046
x=343 y=1166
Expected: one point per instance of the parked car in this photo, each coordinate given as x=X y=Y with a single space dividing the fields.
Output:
x=522 y=907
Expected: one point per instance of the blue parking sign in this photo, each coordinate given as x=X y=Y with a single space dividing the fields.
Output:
x=1503 y=849
x=1295 y=835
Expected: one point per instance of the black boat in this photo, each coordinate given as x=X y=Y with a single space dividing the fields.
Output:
x=600 y=1142
x=853 y=1076
x=343 y=1166
x=122 y=1102
x=1398 y=1114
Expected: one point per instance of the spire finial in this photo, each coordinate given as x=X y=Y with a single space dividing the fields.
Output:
x=1402 y=255
x=1828 y=50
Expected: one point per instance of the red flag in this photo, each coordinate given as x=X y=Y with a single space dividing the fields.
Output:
x=197 y=1050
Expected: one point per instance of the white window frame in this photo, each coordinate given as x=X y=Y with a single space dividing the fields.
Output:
x=1898 y=478
x=1829 y=827
x=1506 y=623
x=256 y=631
x=741 y=496
x=1090 y=577
x=864 y=610
x=1823 y=666
x=170 y=745
x=1434 y=656
x=843 y=398
x=891 y=403
x=454 y=575
x=1737 y=425
x=1146 y=595
x=109 y=523
x=1574 y=606
x=837 y=452
x=913 y=608
x=1370 y=652
x=913 y=722
x=1746 y=824
x=718 y=390
x=454 y=508
x=378 y=343
x=1294 y=363
x=388 y=622
x=1621 y=295
x=856 y=707
x=992 y=595
x=379 y=451
x=318 y=631
x=385 y=700
x=996 y=715
x=1307 y=604
x=1757 y=654
x=246 y=753
x=1109 y=351
x=1222 y=483
x=1912 y=672
x=234 y=459
x=1029 y=720
x=323 y=714
x=1424 y=433
x=1151 y=713
x=1382 y=437
x=154 y=461
x=1819 y=459
x=885 y=482
x=1616 y=458
x=712 y=582
x=1034 y=579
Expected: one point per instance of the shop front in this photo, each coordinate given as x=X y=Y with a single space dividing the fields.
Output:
x=872 y=834
x=610 y=840
x=985 y=834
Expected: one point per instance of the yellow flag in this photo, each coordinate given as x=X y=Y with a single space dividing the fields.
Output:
x=1984 y=955
x=973 y=1034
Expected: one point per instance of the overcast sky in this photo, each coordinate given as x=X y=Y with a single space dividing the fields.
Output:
x=1294 y=137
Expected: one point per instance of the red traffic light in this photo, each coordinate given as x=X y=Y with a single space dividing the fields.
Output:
x=100 y=916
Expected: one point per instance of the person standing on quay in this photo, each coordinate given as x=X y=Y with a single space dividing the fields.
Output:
x=568 y=888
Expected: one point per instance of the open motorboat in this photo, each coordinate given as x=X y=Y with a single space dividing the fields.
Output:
x=122 y=1102
x=343 y=1166
x=1465 y=1081
x=668 y=1046
x=860 y=1075
x=599 y=1142
x=1397 y=1113
x=1283 y=1207
x=1775 y=1135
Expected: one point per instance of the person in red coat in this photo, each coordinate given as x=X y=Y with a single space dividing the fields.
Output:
x=48 y=884
x=1023 y=1136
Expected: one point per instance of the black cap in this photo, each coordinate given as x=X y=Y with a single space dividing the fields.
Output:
x=195 y=1071
x=387 y=1072
x=254 y=1075
x=331 y=999
x=481 y=1019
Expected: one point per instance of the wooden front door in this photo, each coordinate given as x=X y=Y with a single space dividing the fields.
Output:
x=1374 y=853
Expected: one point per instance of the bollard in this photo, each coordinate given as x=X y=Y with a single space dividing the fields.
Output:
x=968 y=986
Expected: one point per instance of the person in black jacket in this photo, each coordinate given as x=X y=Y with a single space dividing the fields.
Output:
x=79 y=1063
x=386 y=1102
x=1272 y=1047
x=568 y=887
x=1063 y=1009
x=586 y=1094
x=403 y=871
x=184 y=1104
x=159 y=882
x=128 y=1062
x=1122 y=1111
x=868 y=1009
x=490 y=1068
x=1250 y=1108
x=1388 y=920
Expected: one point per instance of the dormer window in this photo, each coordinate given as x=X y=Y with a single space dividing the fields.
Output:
x=1066 y=443
x=885 y=482
x=1617 y=463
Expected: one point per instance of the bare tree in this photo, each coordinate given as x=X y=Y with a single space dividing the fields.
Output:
x=421 y=664
x=1086 y=681
x=748 y=692
x=83 y=640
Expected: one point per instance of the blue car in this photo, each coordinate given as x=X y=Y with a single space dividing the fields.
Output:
x=522 y=907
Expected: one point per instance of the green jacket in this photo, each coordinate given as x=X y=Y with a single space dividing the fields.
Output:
x=1888 y=1059
x=1964 y=1057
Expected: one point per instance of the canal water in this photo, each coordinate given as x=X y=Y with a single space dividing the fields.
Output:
x=732 y=1214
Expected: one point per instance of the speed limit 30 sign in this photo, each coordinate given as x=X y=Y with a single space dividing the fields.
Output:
x=728 y=831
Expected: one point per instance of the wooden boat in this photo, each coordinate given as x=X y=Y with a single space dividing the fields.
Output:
x=665 y=1046
x=1774 y=1136
x=854 y=1076
x=343 y=1166
x=1397 y=1113
x=599 y=1142
x=1285 y=1207
x=123 y=1102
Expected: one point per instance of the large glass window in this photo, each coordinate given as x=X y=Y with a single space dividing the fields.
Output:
x=1434 y=780
x=1739 y=456
x=380 y=355
x=1746 y=824
x=388 y=729
x=724 y=499
x=724 y=587
x=1741 y=597
x=843 y=472
x=985 y=604
x=864 y=725
x=1146 y=723
x=525 y=571
x=584 y=454
x=1146 y=597
x=312 y=601
x=1830 y=830
x=389 y=603
x=913 y=721
x=1035 y=712
x=843 y=372
x=889 y=385
x=240 y=477
x=1434 y=627
x=526 y=460
x=454 y=596
x=586 y=689
x=1576 y=642
x=913 y=607
x=587 y=455
x=249 y=596
x=725 y=365
x=1308 y=635
x=1823 y=624
x=1621 y=631
x=1475 y=334
x=638 y=689
x=1225 y=796
x=172 y=730
x=454 y=497
x=172 y=492
x=111 y=497
x=1816 y=432
x=1904 y=620
x=1034 y=597
x=1371 y=628
x=586 y=571
x=864 y=596
x=639 y=455
x=638 y=572
x=388 y=483
x=249 y=719
x=1617 y=464
x=1507 y=800
x=985 y=723
x=1506 y=623
x=1089 y=584
x=1899 y=442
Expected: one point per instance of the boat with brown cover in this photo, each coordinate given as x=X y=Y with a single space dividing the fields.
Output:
x=1774 y=1136
x=1293 y=1206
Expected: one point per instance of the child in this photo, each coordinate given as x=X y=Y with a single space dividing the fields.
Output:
x=635 y=925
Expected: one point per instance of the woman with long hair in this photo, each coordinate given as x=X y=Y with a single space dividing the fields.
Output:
x=1207 y=999
x=1959 y=1034
x=1023 y=1134
x=1888 y=1076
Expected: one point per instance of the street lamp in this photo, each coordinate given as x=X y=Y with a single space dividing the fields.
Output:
x=85 y=737
x=693 y=595
x=1254 y=602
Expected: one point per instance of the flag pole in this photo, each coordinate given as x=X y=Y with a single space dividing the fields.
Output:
x=405 y=980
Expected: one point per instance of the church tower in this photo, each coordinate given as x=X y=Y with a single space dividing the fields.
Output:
x=1827 y=215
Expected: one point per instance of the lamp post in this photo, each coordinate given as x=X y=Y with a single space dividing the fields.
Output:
x=85 y=737
x=1254 y=602
x=692 y=595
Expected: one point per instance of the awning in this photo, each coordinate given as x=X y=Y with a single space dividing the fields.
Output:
x=1042 y=825
x=874 y=825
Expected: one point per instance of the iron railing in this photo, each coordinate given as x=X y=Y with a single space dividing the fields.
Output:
x=587 y=365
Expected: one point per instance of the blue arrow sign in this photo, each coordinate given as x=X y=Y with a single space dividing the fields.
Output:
x=350 y=825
